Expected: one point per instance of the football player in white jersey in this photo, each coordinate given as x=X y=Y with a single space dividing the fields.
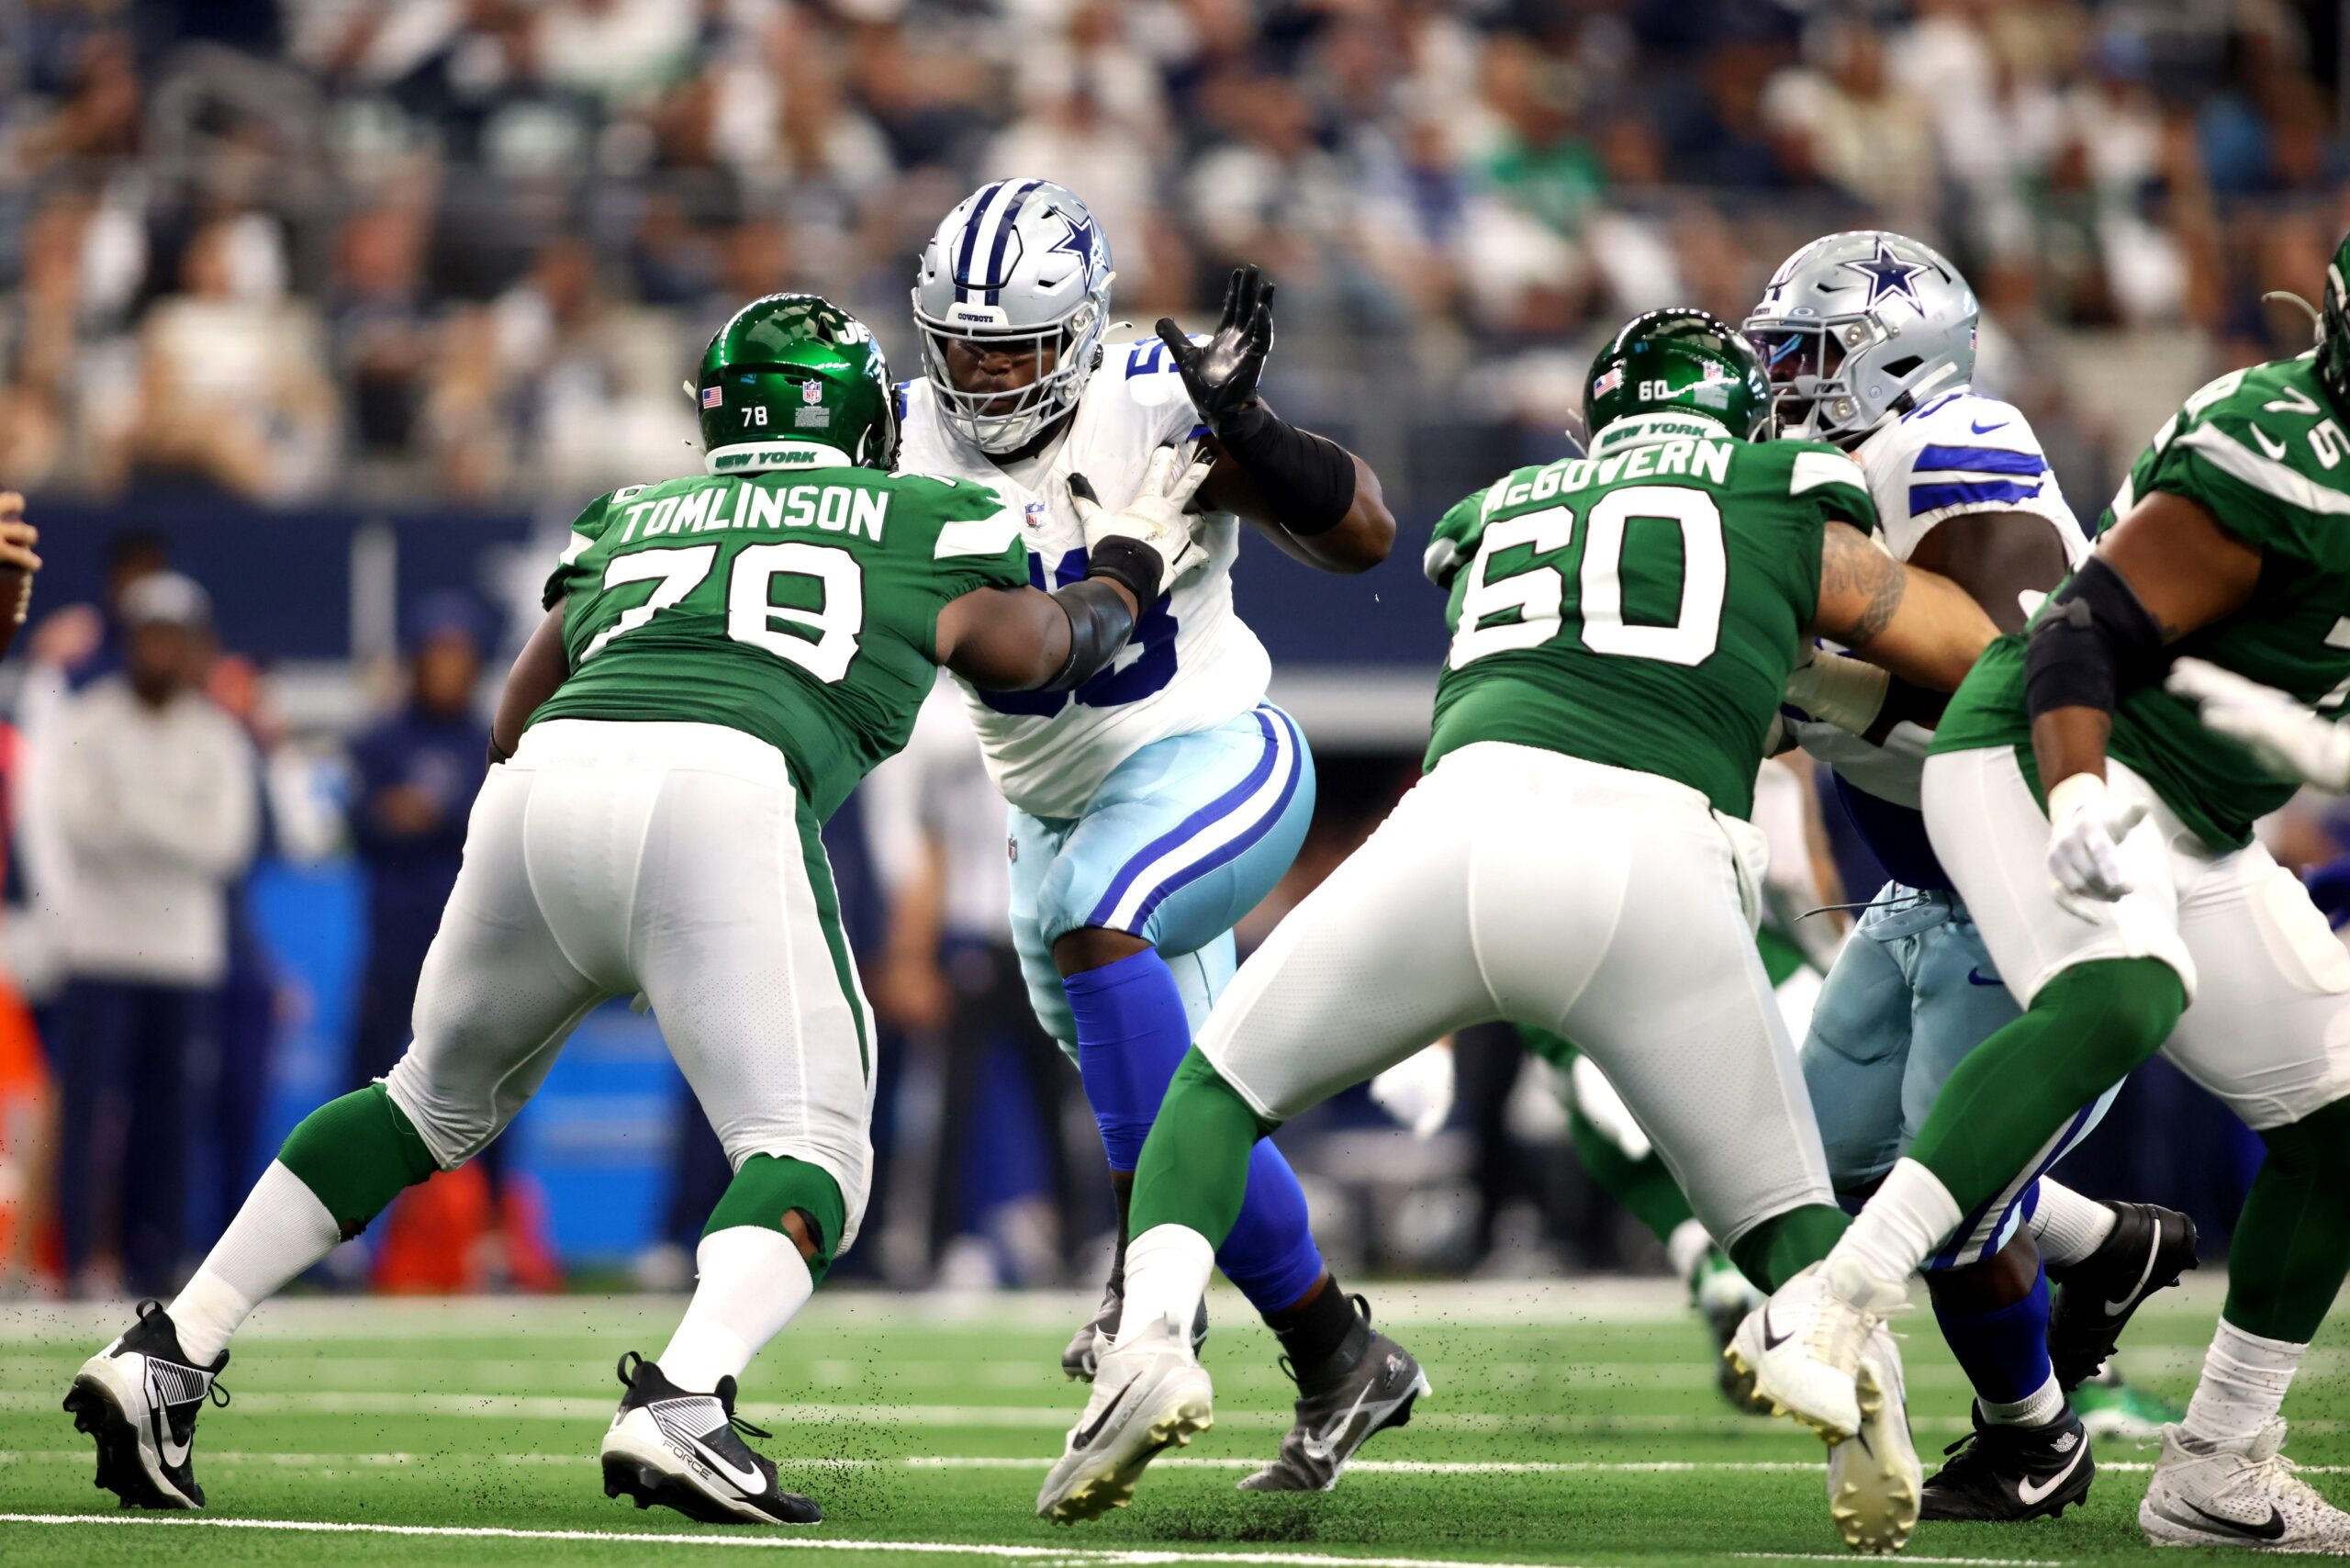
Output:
x=1160 y=802
x=1870 y=340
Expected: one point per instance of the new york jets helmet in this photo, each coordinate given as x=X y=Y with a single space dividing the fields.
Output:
x=794 y=381
x=1681 y=360
x=1859 y=328
x=1019 y=264
x=2333 y=328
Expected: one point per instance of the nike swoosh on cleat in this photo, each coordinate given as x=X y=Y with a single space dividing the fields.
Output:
x=1987 y=429
x=2129 y=1298
x=2032 y=1496
x=1318 y=1444
x=1085 y=1435
x=1771 y=1341
x=174 y=1454
x=1976 y=977
x=750 y=1482
x=2272 y=1529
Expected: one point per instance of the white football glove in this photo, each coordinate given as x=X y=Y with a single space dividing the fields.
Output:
x=1155 y=517
x=1847 y=693
x=2288 y=739
x=2087 y=825
x=1417 y=1091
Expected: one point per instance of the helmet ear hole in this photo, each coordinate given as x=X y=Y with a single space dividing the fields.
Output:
x=1903 y=366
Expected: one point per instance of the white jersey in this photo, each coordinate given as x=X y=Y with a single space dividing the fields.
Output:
x=1959 y=452
x=1192 y=665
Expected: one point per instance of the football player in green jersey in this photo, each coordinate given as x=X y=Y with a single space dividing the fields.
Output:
x=1577 y=858
x=2103 y=837
x=724 y=657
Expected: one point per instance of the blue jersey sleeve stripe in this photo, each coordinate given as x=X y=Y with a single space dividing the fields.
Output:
x=1933 y=497
x=1981 y=460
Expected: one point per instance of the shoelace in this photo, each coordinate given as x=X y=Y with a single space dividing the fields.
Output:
x=2283 y=1474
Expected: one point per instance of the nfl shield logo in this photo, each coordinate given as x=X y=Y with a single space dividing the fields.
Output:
x=712 y=397
x=811 y=392
x=1034 y=515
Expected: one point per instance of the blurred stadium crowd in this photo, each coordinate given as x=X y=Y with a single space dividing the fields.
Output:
x=457 y=253
x=460 y=248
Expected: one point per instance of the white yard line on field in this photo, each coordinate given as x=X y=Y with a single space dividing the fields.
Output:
x=1003 y=1462
x=1019 y=1417
x=1138 y=1556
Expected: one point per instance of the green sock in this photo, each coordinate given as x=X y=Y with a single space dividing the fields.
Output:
x=357 y=1154
x=1780 y=1247
x=770 y=1186
x=2017 y=1091
x=2291 y=1248
x=1194 y=1166
x=1642 y=1185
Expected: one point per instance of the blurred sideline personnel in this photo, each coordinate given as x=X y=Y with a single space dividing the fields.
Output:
x=1578 y=858
x=722 y=659
x=950 y=977
x=153 y=787
x=418 y=771
x=1869 y=338
x=26 y=1096
x=1154 y=806
x=2131 y=910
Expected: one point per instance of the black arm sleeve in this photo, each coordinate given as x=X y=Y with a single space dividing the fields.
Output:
x=1098 y=625
x=2094 y=640
x=1308 y=480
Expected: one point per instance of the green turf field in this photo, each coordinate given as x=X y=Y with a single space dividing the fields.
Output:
x=1571 y=1424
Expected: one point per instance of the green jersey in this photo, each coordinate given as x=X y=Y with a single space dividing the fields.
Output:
x=1643 y=606
x=799 y=607
x=2262 y=451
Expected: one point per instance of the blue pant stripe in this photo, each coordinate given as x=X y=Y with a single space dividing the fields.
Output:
x=1239 y=846
x=1223 y=805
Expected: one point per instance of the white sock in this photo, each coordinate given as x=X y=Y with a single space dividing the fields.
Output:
x=280 y=1231
x=2036 y=1409
x=2242 y=1386
x=1686 y=1249
x=1911 y=1215
x=2067 y=1226
x=1167 y=1273
x=751 y=1281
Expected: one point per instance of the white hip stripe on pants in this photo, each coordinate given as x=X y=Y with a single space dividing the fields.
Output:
x=2267 y=1027
x=1605 y=906
x=669 y=858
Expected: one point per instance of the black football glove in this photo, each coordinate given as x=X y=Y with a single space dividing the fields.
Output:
x=1221 y=377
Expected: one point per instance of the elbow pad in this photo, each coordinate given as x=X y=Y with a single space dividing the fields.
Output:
x=1098 y=625
x=1308 y=480
x=2091 y=640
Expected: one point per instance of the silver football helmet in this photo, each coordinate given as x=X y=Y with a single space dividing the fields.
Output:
x=1860 y=327
x=1019 y=264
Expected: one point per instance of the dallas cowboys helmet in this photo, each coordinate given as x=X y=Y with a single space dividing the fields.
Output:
x=1860 y=327
x=1019 y=264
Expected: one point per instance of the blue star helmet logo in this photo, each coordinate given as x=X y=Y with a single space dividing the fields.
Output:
x=1078 y=241
x=1888 y=274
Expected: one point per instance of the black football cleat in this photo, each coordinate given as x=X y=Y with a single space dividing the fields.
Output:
x=2147 y=1250
x=2007 y=1473
x=139 y=1398
x=682 y=1451
x=1364 y=1387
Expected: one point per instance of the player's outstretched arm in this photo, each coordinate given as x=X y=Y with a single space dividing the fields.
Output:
x=538 y=669
x=1312 y=497
x=1027 y=639
x=1922 y=628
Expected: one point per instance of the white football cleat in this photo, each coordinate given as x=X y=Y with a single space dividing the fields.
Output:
x=1149 y=1394
x=1875 y=1481
x=1801 y=1348
x=2243 y=1494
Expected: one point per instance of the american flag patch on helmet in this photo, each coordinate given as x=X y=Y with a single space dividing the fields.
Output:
x=712 y=397
x=1609 y=379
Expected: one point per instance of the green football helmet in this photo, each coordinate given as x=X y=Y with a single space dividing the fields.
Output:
x=2333 y=328
x=794 y=381
x=1681 y=360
